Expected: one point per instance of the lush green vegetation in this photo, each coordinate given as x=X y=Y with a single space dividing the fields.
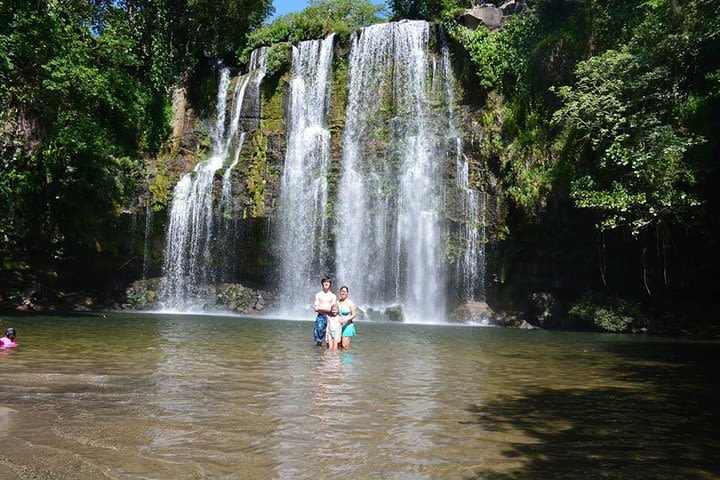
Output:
x=318 y=20
x=605 y=110
x=611 y=314
x=428 y=9
x=613 y=108
x=84 y=100
x=636 y=109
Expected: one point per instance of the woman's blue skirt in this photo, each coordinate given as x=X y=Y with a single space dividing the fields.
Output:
x=348 y=330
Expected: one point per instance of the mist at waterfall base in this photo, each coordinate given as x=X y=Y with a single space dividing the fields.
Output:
x=382 y=227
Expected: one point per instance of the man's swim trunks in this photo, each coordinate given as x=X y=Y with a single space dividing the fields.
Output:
x=320 y=326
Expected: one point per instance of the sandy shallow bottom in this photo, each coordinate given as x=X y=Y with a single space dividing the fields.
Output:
x=185 y=397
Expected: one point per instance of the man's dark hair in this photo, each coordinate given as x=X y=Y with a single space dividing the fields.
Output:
x=326 y=279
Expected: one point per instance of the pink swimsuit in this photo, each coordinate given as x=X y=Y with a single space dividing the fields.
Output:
x=6 y=343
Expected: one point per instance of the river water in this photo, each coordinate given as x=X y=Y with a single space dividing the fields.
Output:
x=137 y=396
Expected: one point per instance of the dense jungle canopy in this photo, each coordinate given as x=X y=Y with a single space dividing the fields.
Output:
x=597 y=112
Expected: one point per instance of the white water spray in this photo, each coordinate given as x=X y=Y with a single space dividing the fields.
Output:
x=389 y=231
x=302 y=225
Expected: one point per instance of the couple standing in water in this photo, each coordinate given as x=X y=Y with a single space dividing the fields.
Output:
x=334 y=321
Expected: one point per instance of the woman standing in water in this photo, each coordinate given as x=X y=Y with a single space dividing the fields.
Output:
x=347 y=312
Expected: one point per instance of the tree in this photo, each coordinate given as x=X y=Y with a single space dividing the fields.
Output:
x=628 y=110
x=84 y=100
x=318 y=20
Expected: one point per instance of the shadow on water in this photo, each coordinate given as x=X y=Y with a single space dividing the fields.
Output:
x=659 y=422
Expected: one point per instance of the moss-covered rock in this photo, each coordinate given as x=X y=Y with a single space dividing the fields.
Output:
x=274 y=97
x=145 y=295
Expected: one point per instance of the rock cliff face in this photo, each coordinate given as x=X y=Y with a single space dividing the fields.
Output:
x=243 y=239
x=521 y=259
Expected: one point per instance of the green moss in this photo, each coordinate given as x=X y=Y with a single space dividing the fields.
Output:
x=340 y=85
x=272 y=111
x=513 y=146
x=161 y=185
x=258 y=175
x=339 y=94
x=162 y=176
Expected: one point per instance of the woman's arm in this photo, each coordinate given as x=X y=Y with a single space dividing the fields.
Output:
x=353 y=311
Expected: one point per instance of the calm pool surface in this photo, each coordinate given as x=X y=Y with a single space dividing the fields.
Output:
x=137 y=396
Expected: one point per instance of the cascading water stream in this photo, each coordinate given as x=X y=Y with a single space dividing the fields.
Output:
x=301 y=226
x=389 y=227
x=147 y=240
x=470 y=262
x=389 y=231
x=253 y=79
x=188 y=263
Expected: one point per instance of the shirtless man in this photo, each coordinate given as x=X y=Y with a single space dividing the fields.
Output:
x=324 y=300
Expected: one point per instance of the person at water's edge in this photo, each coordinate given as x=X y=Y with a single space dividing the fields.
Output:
x=324 y=300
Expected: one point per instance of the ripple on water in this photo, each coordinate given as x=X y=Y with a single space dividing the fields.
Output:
x=140 y=396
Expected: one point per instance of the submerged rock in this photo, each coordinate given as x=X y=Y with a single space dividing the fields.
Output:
x=142 y=294
x=394 y=313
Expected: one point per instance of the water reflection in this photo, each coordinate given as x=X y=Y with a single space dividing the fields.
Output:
x=176 y=397
x=413 y=384
x=309 y=409
x=212 y=407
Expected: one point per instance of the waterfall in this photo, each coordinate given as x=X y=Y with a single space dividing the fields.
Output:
x=148 y=238
x=245 y=108
x=301 y=223
x=470 y=259
x=389 y=230
x=402 y=205
x=470 y=262
x=254 y=77
x=188 y=262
